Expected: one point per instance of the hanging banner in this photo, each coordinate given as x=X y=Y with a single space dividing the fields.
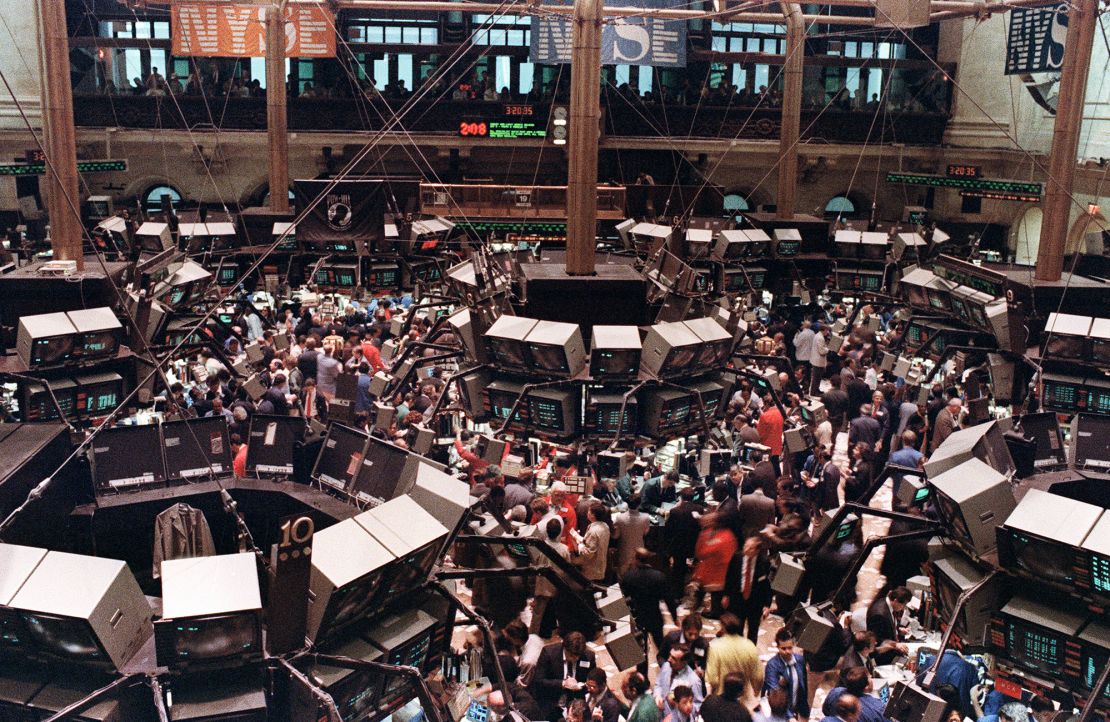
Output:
x=1036 y=40
x=352 y=210
x=239 y=30
x=624 y=40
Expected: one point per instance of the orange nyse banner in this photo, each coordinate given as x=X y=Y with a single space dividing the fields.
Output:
x=230 y=30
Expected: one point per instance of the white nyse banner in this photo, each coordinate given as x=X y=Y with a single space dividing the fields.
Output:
x=624 y=40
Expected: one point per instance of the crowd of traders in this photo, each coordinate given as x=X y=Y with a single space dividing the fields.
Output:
x=690 y=551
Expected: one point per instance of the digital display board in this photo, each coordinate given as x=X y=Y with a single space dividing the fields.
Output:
x=956 y=170
x=965 y=183
x=83 y=166
x=501 y=129
x=1000 y=196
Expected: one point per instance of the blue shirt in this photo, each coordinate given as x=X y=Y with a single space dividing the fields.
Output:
x=956 y=671
x=667 y=681
x=363 y=399
x=870 y=707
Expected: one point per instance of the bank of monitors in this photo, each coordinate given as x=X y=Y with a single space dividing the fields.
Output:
x=348 y=565
x=698 y=244
x=1041 y=538
x=909 y=247
x=75 y=609
x=973 y=499
x=666 y=411
x=556 y=349
x=340 y=457
x=98 y=332
x=738 y=244
x=1037 y=636
x=615 y=352
x=603 y=414
x=200 y=629
x=670 y=349
x=1066 y=336
x=1100 y=341
x=507 y=346
x=338 y=275
x=45 y=339
x=354 y=691
x=412 y=536
x=952 y=575
x=1090 y=443
x=500 y=397
x=125 y=458
x=384 y=471
x=270 y=444
x=554 y=411
x=196 y=447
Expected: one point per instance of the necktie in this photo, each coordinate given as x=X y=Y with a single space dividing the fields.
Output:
x=308 y=405
x=793 y=684
x=749 y=574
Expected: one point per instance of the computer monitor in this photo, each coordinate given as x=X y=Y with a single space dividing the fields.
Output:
x=873 y=245
x=1034 y=635
x=953 y=575
x=84 y=610
x=383 y=277
x=46 y=339
x=1096 y=553
x=337 y=275
x=1041 y=538
x=385 y=470
x=153 y=237
x=1094 y=655
x=972 y=499
x=698 y=244
x=128 y=457
x=37 y=405
x=982 y=441
x=1090 y=442
x=716 y=346
x=670 y=349
x=1063 y=393
x=354 y=691
x=99 y=394
x=788 y=242
x=348 y=565
x=228 y=274
x=757 y=277
x=603 y=413
x=200 y=630
x=1066 y=336
x=340 y=457
x=270 y=443
x=556 y=348
x=98 y=332
x=712 y=398
x=406 y=639
x=196 y=447
x=615 y=351
x=554 y=411
x=1100 y=341
x=413 y=536
x=505 y=339
x=500 y=397
x=733 y=280
x=666 y=410
x=738 y=243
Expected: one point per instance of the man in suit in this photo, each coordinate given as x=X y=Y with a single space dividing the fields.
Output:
x=865 y=427
x=645 y=587
x=748 y=586
x=658 y=491
x=756 y=509
x=787 y=670
x=561 y=673
x=882 y=621
x=313 y=405
x=846 y=709
x=948 y=420
x=307 y=360
x=856 y=682
x=601 y=704
x=763 y=474
x=681 y=534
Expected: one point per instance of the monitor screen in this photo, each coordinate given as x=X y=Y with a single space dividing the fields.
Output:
x=103 y=343
x=758 y=278
x=49 y=351
x=63 y=637
x=1061 y=395
x=501 y=403
x=549 y=358
x=938 y=299
x=916 y=334
x=13 y=635
x=870 y=281
x=508 y=352
x=349 y=603
x=546 y=414
x=1039 y=558
x=357 y=692
x=735 y=281
x=1045 y=432
x=228 y=275
x=978 y=315
x=382 y=277
x=615 y=362
x=959 y=308
x=945 y=594
x=1100 y=351
x=1065 y=346
x=676 y=412
x=211 y=639
x=406 y=574
x=40 y=407
x=1034 y=647
x=380 y=472
x=921 y=495
x=680 y=359
x=1100 y=573
x=100 y=398
x=345 y=278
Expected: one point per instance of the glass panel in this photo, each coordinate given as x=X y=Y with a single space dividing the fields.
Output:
x=719 y=44
x=392 y=34
x=840 y=204
x=124 y=30
x=497 y=37
x=753 y=45
x=736 y=45
x=356 y=34
x=646 y=79
x=429 y=36
x=161 y=30
x=736 y=202
x=516 y=37
x=762 y=74
x=527 y=78
x=622 y=74
x=866 y=50
x=874 y=82
x=404 y=70
x=258 y=70
x=503 y=69
x=739 y=76
x=375 y=34
x=381 y=71
x=133 y=64
x=411 y=36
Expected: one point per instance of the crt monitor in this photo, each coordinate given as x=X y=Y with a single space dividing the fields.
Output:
x=340 y=457
x=556 y=348
x=615 y=351
x=228 y=275
x=270 y=443
x=1090 y=446
x=670 y=349
x=951 y=576
x=380 y=473
x=196 y=447
x=212 y=641
x=501 y=395
x=348 y=566
x=1034 y=635
x=99 y=393
x=1045 y=431
x=383 y=276
x=127 y=457
x=603 y=413
x=973 y=499
x=1100 y=341
x=1066 y=336
x=554 y=410
x=1063 y=393
x=1041 y=538
x=506 y=341
x=1094 y=655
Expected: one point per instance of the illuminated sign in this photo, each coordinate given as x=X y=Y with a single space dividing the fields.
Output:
x=994 y=195
x=516 y=110
x=965 y=183
x=501 y=129
x=83 y=166
x=964 y=171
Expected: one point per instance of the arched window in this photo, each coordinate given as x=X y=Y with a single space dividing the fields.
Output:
x=736 y=203
x=840 y=205
x=152 y=199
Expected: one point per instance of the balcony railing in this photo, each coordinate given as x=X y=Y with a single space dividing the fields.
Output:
x=622 y=118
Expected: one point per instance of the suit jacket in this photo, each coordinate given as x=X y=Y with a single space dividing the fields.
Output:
x=763 y=477
x=644 y=588
x=610 y=707
x=776 y=671
x=547 y=681
x=880 y=620
x=320 y=407
x=756 y=511
x=681 y=530
x=761 y=582
x=593 y=553
x=943 y=428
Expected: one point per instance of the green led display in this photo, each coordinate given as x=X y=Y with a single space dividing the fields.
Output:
x=968 y=184
x=512 y=130
x=83 y=166
x=518 y=227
